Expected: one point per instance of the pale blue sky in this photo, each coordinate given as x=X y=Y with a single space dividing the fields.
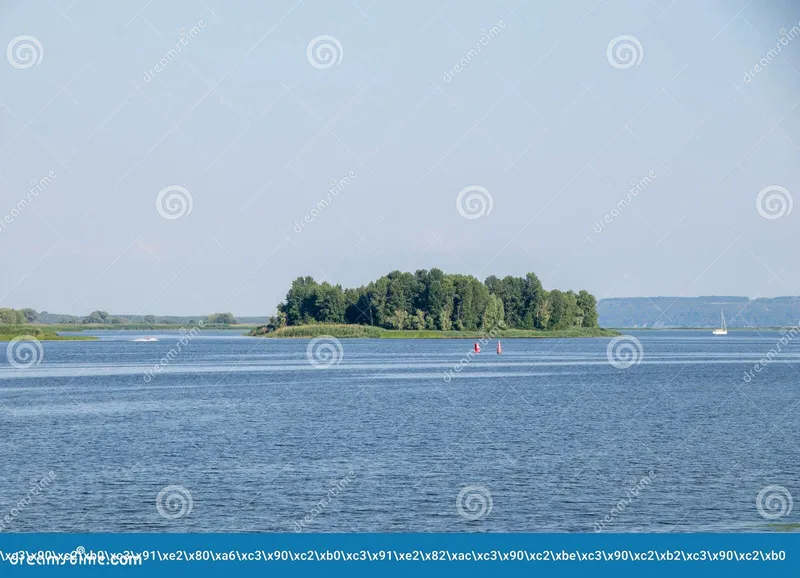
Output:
x=539 y=117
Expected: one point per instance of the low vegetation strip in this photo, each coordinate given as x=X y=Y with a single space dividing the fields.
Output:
x=9 y=332
x=344 y=331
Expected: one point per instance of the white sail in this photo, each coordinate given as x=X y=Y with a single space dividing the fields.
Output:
x=723 y=330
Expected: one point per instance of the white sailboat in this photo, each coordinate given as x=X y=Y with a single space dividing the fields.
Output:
x=723 y=330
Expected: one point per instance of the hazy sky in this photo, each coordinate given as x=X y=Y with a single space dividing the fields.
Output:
x=255 y=115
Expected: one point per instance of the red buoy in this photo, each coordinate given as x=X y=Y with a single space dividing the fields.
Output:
x=499 y=348
x=477 y=347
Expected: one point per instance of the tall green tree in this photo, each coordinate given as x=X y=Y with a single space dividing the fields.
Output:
x=96 y=317
x=588 y=306
x=532 y=295
x=30 y=315
x=221 y=318
x=493 y=315
x=329 y=303
x=300 y=301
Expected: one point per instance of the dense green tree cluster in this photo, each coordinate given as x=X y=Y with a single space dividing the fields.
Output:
x=104 y=318
x=97 y=318
x=17 y=316
x=222 y=318
x=436 y=300
x=21 y=316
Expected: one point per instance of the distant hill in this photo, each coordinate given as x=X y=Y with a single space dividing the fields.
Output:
x=655 y=312
x=51 y=318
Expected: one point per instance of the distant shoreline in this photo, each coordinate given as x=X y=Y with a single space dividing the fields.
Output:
x=38 y=332
x=709 y=329
x=145 y=327
x=371 y=332
x=49 y=332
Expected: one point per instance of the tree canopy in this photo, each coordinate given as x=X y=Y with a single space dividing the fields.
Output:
x=222 y=318
x=437 y=300
x=13 y=316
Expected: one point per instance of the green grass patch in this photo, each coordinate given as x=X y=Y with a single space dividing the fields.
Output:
x=40 y=332
x=504 y=334
x=785 y=527
x=368 y=331
x=147 y=327
x=335 y=330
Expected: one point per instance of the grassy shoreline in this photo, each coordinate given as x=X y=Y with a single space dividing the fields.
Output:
x=40 y=332
x=141 y=327
x=709 y=329
x=370 y=332
x=50 y=332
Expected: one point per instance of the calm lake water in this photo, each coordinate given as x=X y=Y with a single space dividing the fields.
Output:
x=245 y=434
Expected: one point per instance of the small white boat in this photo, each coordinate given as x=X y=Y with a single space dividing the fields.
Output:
x=148 y=338
x=723 y=330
